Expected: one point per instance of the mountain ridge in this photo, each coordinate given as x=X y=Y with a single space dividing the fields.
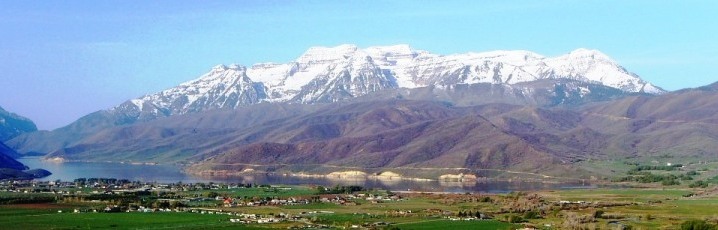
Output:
x=419 y=128
x=329 y=74
x=540 y=93
x=507 y=137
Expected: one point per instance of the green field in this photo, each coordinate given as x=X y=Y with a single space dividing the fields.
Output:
x=456 y=225
x=634 y=195
x=640 y=208
x=48 y=218
x=651 y=208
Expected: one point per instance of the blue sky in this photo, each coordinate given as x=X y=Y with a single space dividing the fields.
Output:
x=64 y=59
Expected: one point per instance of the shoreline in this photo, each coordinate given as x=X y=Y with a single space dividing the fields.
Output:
x=448 y=178
x=382 y=180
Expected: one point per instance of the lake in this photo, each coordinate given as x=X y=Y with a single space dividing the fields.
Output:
x=68 y=171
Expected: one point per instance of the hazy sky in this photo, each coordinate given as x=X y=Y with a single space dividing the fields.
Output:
x=61 y=60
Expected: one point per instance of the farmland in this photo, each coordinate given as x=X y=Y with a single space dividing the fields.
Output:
x=202 y=206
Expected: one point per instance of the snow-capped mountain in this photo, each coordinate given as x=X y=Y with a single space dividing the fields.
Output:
x=222 y=87
x=328 y=74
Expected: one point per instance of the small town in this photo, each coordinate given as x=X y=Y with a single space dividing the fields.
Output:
x=109 y=195
x=308 y=207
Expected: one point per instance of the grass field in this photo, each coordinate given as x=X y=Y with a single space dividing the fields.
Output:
x=639 y=208
x=653 y=208
x=456 y=225
x=23 y=217
x=633 y=195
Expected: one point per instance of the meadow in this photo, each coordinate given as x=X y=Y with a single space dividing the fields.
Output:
x=649 y=208
x=600 y=208
x=48 y=217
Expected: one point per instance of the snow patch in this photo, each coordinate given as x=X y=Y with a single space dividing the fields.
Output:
x=139 y=103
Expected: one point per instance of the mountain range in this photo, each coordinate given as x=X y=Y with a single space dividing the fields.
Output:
x=382 y=135
x=323 y=75
x=399 y=108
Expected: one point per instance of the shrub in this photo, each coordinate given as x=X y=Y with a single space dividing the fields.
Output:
x=531 y=215
x=514 y=219
x=698 y=184
x=598 y=214
x=697 y=225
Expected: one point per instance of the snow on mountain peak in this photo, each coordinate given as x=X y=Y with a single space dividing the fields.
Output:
x=219 y=67
x=320 y=54
x=395 y=50
x=523 y=54
x=515 y=57
x=390 y=54
x=324 y=74
x=582 y=53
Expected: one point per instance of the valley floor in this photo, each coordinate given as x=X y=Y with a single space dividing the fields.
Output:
x=103 y=204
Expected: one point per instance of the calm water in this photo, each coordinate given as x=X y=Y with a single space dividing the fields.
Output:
x=168 y=173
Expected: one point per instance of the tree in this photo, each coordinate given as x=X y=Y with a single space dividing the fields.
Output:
x=211 y=194
x=321 y=189
x=175 y=204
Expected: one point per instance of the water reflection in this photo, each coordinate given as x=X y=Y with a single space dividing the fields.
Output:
x=170 y=173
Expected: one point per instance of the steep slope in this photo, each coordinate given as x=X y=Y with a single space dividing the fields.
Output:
x=543 y=93
x=12 y=125
x=324 y=74
x=355 y=76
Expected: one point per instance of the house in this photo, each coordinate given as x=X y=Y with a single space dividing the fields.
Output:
x=228 y=202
